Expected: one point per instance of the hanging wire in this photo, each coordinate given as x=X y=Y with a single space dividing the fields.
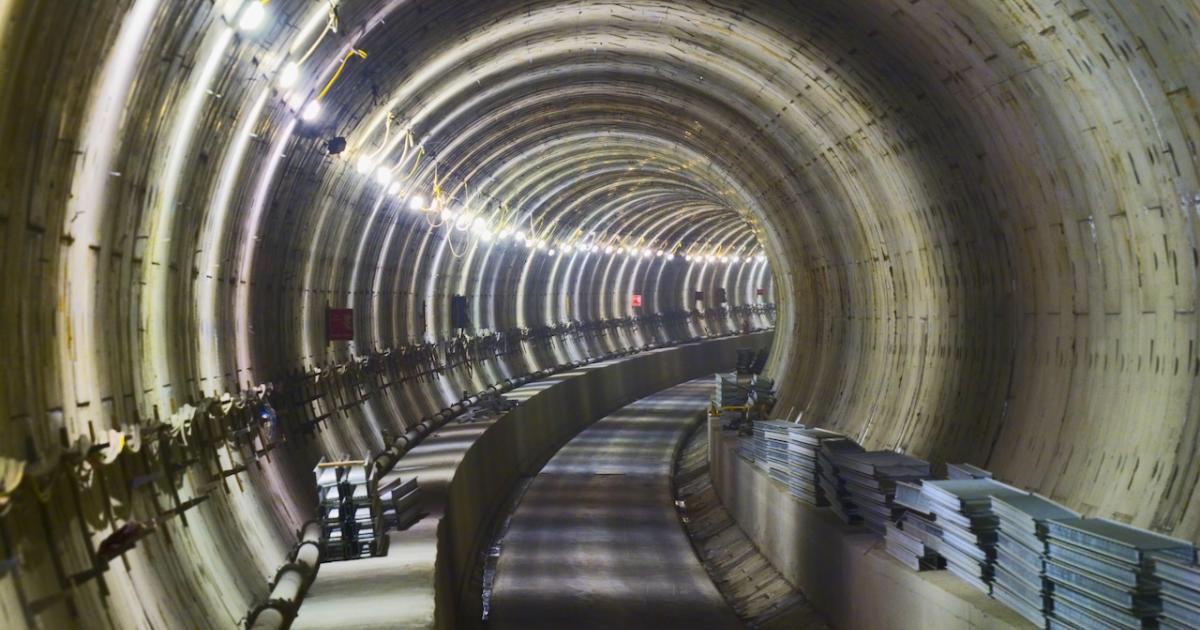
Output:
x=330 y=27
x=333 y=79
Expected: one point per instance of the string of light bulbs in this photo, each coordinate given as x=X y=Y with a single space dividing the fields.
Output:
x=438 y=209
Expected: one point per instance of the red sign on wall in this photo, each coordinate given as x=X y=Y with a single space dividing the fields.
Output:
x=636 y=301
x=762 y=291
x=339 y=324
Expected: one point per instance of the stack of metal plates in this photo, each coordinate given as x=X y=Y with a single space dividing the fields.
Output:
x=348 y=518
x=963 y=508
x=401 y=502
x=1103 y=572
x=906 y=543
x=775 y=436
x=870 y=478
x=966 y=471
x=1180 y=593
x=829 y=479
x=759 y=444
x=762 y=391
x=1019 y=580
x=918 y=521
x=803 y=446
x=729 y=393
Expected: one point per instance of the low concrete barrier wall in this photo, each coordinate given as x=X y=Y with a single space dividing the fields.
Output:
x=522 y=441
x=844 y=571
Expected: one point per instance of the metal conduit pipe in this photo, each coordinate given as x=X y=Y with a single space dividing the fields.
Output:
x=290 y=583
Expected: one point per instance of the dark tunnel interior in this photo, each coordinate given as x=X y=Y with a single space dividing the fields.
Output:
x=972 y=225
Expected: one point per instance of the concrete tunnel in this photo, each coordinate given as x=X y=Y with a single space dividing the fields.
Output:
x=971 y=226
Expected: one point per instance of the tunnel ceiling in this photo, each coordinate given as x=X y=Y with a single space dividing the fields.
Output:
x=977 y=218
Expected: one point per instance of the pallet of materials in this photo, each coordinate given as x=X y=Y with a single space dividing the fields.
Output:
x=349 y=520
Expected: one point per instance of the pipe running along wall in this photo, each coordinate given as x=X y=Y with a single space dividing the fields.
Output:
x=977 y=219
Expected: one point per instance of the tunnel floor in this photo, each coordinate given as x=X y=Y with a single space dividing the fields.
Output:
x=595 y=542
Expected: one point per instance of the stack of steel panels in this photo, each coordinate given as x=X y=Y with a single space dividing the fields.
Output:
x=963 y=508
x=830 y=480
x=919 y=522
x=1103 y=573
x=759 y=445
x=729 y=393
x=870 y=478
x=762 y=392
x=803 y=446
x=1180 y=593
x=348 y=518
x=775 y=436
x=1021 y=551
x=966 y=471
x=906 y=543
x=401 y=502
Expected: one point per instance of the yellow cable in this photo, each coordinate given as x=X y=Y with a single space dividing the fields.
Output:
x=338 y=73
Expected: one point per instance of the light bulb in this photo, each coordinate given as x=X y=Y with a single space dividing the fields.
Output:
x=724 y=259
x=417 y=203
x=659 y=253
x=464 y=221
x=485 y=235
x=521 y=236
x=311 y=111
x=505 y=233
x=394 y=189
x=552 y=252
x=252 y=16
x=710 y=258
x=608 y=250
x=479 y=224
x=289 y=75
x=365 y=164
x=383 y=176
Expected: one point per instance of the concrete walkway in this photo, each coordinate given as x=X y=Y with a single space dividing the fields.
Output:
x=595 y=542
x=397 y=590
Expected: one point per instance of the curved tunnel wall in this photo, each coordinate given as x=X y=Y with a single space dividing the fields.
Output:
x=977 y=218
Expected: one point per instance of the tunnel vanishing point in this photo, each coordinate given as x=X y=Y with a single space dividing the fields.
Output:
x=244 y=240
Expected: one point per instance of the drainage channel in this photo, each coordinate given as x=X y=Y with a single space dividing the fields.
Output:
x=758 y=593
